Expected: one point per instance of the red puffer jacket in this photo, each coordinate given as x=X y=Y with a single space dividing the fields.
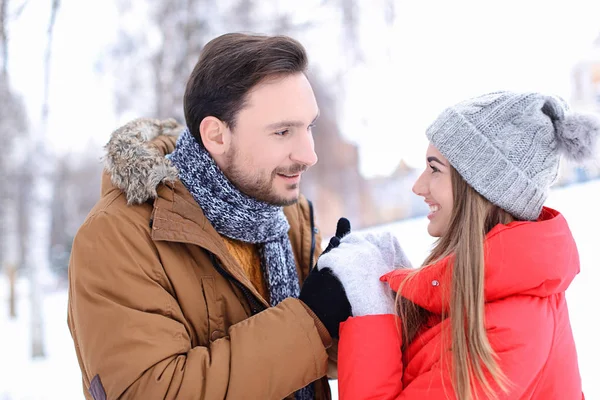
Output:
x=529 y=265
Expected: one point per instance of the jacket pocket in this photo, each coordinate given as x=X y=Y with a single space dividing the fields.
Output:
x=215 y=326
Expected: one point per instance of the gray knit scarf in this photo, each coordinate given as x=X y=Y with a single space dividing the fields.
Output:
x=238 y=216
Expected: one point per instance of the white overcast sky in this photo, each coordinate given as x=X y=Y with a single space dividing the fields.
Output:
x=437 y=53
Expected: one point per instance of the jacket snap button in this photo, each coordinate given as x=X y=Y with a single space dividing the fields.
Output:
x=435 y=282
x=216 y=335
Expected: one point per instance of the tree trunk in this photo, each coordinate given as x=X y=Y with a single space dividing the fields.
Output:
x=38 y=259
x=12 y=299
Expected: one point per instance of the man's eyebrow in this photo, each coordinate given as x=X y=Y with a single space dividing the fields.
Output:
x=283 y=124
x=290 y=123
x=430 y=159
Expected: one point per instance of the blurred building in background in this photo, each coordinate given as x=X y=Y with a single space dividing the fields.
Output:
x=585 y=97
x=586 y=81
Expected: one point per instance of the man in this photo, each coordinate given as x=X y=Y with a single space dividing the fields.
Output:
x=184 y=276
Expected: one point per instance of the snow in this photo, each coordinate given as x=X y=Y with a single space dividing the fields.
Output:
x=55 y=377
x=58 y=376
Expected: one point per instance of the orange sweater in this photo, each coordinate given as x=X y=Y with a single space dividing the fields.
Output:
x=246 y=254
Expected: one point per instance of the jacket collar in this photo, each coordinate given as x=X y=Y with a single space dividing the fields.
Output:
x=135 y=157
x=178 y=218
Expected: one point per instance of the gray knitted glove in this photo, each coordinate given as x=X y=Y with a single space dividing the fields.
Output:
x=358 y=262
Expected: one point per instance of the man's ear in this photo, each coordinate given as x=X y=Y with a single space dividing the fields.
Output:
x=215 y=135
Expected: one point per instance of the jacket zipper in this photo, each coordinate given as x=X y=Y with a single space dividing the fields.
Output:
x=255 y=305
x=313 y=232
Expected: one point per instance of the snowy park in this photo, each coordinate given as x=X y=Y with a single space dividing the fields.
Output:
x=72 y=72
x=58 y=376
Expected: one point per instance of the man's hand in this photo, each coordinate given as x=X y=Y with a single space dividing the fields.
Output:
x=322 y=291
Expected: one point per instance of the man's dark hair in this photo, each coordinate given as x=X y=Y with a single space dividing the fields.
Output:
x=229 y=67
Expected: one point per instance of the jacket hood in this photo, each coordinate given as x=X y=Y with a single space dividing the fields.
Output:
x=135 y=157
x=529 y=258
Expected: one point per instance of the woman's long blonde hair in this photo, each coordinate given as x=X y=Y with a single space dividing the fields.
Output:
x=472 y=218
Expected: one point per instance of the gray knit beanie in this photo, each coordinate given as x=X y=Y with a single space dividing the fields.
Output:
x=507 y=146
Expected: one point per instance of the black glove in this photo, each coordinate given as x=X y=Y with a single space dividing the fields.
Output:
x=323 y=292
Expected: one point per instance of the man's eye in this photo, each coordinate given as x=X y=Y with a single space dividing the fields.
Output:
x=282 y=133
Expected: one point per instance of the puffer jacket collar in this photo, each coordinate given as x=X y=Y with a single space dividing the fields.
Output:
x=537 y=258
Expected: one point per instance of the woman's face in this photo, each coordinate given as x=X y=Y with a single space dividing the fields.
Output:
x=435 y=186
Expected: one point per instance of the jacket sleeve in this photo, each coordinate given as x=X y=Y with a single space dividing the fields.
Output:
x=128 y=329
x=370 y=360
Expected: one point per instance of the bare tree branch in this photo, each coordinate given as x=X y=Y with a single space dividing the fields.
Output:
x=47 y=57
x=350 y=23
x=20 y=9
x=3 y=37
x=390 y=12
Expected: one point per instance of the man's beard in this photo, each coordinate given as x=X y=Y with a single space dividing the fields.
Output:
x=260 y=186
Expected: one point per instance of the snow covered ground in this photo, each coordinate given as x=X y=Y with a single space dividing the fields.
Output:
x=55 y=377
x=58 y=376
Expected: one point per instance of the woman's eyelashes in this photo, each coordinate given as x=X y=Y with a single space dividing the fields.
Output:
x=433 y=169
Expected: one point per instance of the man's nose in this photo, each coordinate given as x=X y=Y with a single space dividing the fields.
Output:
x=304 y=150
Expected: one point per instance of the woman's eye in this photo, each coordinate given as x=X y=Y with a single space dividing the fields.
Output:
x=433 y=169
x=282 y=133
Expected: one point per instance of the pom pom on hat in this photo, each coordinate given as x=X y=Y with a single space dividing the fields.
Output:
x=576 y=133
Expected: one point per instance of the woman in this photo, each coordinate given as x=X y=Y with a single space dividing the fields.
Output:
x=486 y=315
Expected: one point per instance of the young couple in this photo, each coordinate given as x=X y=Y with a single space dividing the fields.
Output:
x=194 y=275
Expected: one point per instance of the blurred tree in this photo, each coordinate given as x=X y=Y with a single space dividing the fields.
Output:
x=75 y=191
x=153 y=63
x=37 y=257
x=351 y=31
x=3 y=36
x=13 y=128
